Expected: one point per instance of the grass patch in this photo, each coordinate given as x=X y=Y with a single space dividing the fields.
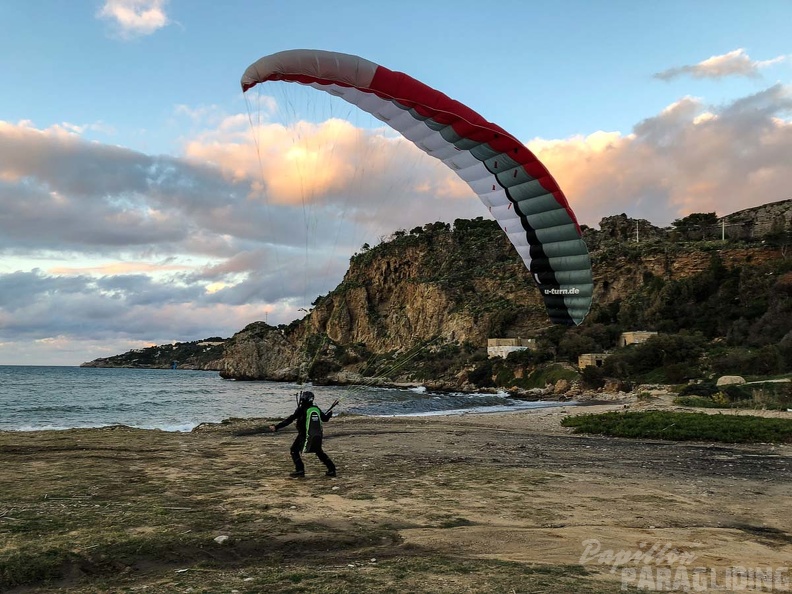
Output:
x=767 y=395
x=361 y=496
x=410 y=571
x=679 y=426
x=550 y=374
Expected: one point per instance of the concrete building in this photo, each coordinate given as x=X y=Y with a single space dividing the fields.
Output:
x=501 y=347
x=591 y=359
x=628 y=338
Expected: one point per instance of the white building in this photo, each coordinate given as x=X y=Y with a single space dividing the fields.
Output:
x=501 y=347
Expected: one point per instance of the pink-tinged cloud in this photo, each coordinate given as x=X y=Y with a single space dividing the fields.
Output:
x=134 y=18
x=331 y=162
x=734 y=63
x=689 y=158
x=119 y=268
x=20 y=142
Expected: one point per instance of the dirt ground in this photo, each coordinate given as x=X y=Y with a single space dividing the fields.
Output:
x=521 y=487
x=515 y=487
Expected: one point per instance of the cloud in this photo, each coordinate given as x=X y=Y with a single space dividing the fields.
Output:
x=734 y=63
x=312 y=162
x=120 y=236
x=134 y=18
x=36 y=305
x=58 y=191
x=688 y=158
x=331 y=181
x=116 y=268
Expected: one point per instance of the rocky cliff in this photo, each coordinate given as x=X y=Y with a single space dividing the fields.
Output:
x=437 y=292
x=769 y=220
x=433 y=285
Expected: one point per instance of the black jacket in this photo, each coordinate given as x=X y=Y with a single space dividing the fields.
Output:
x=299 y=416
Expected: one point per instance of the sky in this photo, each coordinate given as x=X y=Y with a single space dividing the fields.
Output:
x=145 y=200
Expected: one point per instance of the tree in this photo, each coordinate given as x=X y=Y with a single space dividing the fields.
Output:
x=697 y=225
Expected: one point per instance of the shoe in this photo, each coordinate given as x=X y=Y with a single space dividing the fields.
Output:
x=297 y=474
x=330 y=473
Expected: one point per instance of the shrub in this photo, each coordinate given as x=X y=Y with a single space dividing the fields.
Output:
x=698 y=401
x=481 y=376
x=672 y=354
x=321 y=368
x=735 y=393
x=592 y=377
x=700 y=389
x=684 y=426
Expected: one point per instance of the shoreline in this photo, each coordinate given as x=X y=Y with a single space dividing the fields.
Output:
x=498 y=409
x=594 y=403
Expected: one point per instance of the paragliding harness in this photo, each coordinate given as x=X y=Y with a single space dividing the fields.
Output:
x=313 y=429
x=313 y=422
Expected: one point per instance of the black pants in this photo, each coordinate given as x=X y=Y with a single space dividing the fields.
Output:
x=297 y=447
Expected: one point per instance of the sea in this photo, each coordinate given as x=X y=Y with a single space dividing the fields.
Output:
x=36 y=398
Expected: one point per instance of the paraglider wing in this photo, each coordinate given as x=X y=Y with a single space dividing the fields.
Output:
x=508 y=178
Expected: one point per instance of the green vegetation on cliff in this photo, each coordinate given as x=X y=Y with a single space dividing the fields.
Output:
x=198 y=354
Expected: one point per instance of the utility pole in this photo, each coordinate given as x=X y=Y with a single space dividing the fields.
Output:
x=636 y=231
x=723 y=229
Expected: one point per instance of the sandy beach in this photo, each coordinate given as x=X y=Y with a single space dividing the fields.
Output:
x=523 y=503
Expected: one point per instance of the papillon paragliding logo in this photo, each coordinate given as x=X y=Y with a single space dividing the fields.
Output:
x=507 y=177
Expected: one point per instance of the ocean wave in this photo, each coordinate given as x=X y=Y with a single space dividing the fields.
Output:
x=92 y=408
x=54 y=427
x=480 y=409
x=171 y=428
